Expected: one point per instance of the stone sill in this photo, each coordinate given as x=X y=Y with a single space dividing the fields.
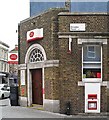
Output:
x=104 y=83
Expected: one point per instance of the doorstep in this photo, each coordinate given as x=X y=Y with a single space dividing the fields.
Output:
x=37 y=106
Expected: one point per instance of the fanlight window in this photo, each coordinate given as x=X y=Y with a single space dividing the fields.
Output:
x=36 y=55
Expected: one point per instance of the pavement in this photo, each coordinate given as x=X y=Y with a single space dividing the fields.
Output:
x=17 y=112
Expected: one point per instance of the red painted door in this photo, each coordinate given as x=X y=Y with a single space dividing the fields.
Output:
x=37 y=96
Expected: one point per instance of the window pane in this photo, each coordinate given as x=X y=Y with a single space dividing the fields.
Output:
x=91 y=73
x=91 y=55
x=91 y=48
x=36 y=55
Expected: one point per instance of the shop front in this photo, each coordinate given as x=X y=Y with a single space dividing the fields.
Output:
x=64 y=59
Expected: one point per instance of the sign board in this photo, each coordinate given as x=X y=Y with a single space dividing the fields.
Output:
x=35 y=34
x=77 y=27
x=13 y=58
x=22 y=77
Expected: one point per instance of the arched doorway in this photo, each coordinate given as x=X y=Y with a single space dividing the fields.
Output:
x=35 y=58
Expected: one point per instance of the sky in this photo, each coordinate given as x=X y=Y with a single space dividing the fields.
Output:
x=11 y=13
x=14 y=11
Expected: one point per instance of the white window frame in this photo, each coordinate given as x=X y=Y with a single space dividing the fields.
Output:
x=96 y=63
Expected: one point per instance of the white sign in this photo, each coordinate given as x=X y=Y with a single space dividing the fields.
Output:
x=77 y=27
x=22 y=77
x=13 y=58
x=35 y=34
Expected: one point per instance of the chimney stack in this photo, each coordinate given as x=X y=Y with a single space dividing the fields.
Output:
x=68 y=5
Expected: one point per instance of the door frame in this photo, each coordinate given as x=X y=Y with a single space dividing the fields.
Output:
x=39 y=73
x=30 y=67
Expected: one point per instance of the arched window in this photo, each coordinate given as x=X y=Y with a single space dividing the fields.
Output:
x=36 y=55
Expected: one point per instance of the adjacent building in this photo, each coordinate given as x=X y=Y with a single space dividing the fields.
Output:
x=13 y=65
x=4 y=68
x=64 y=60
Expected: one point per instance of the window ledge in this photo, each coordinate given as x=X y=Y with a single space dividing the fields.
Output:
x=92 y=80
x=104 y=83
x=93 y=62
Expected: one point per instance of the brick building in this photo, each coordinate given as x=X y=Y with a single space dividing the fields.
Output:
x=63 y=57
x=4 y=68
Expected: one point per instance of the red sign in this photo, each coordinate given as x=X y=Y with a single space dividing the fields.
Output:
x=92 y=96
x=31 y=34
x=13 y=56
x=35 y=34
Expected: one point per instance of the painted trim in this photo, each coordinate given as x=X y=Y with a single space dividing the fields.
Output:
x=101 y=63
x=29 y=87
x=70 y=45
x=82 y=62
x=43 y=84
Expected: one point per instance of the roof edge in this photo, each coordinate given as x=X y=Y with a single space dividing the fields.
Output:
x=82 y=13
x=47 y=11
